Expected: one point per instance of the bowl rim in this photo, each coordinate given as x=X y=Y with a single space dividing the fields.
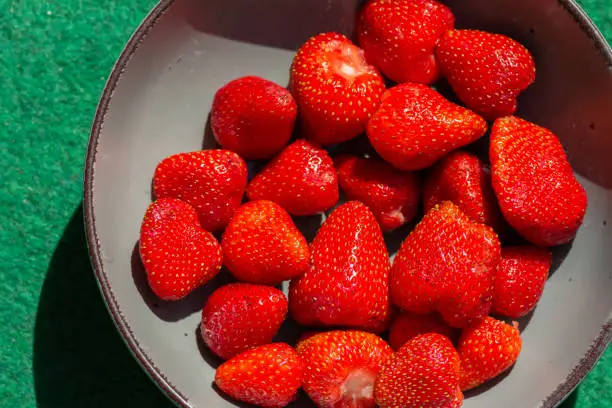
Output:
x=571 y=381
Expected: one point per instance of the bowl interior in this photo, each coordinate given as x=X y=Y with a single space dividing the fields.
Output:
x=157 y=104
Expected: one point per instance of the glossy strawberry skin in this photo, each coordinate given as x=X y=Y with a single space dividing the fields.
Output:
x=424 y=373
x=535 y=185
x=446 y=264
x=347 y=282
x=415 y=126
x=487 y=71
x=253 y=117
x=487 y=349
x=240 y=316
x=520 y=280
x=262 y=245
x=392 y=195
x=340 y=367
x=335 y=88
x=266 y=376
x=406 y=326
x=212 y=181
x=399 y=37
x=301 y=179
x=177 y=254
x=465 y=180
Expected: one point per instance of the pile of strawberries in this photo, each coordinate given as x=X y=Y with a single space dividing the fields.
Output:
x=433 y=303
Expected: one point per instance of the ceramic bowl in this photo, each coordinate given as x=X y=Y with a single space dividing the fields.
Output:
x=156 y=103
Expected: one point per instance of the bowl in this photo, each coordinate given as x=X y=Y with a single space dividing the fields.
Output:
x=156 y=103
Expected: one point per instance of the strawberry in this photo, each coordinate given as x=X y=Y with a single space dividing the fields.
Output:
x=335 y=88
x=212 y=181
x=487 y=71
x=406 y=326
x=267 y=376
x=465 y=180
x=520 y=279
x=424 y=373
x=399 y=37
x=487 y=349
x=392 y=195
x=240 y=316
x=261 y=244
x=535 y=185
x=446 y=264
x=347 y=282
x=301 y=179
x=340 y=367
x=253 y=117
x=415 y=126
x=177 y=254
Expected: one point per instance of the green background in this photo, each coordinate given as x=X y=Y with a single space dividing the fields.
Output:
x=58 y=347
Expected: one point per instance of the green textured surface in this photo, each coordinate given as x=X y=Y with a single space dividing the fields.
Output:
x=58 y=347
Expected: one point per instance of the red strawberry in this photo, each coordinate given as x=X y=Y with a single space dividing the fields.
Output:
x=465 y=180
x=267 y=376
x=406 y=326
x=487 y=71
x=261 y=244
x=446 y=264
x=253 y=117
x=335 y=88
x=240 y=316
x=487 y=349
x=415 y=126
x=392 y=195
x=424 y=373
x=520 y=279
x=340 y=367
x=535 y=185
x=400 y=36
x=346 y=284
x=212 y=181
x=301 y=179
x=177 y=254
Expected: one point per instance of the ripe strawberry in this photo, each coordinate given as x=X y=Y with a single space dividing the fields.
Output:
x=335 y=88
x=212 y=181
x=400 y=36
x=487 y=349
x=520 y=279
x=406 y=326
x=253 y=117
x=392 y=195
x=301 y=179
x=347 y=282
x=261 y=244
x=240 y=316
x=535 y=185
x=267 y=376
x=415 y=126
x=446 y=264
x=465 y=180
x=177 y=254
x=487 y=71
x=424 y=373
x=340 y=367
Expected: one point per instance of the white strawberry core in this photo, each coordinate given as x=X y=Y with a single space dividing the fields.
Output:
x=358 y=386
x=349 y=62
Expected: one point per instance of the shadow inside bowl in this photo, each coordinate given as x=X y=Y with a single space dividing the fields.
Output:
x=274 y=23
x=79 y=359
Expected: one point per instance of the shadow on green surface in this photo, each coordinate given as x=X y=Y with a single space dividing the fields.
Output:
x=571 y=400
x=79 y=358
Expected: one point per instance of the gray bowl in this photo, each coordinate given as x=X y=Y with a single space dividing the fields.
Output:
x=156 y=103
